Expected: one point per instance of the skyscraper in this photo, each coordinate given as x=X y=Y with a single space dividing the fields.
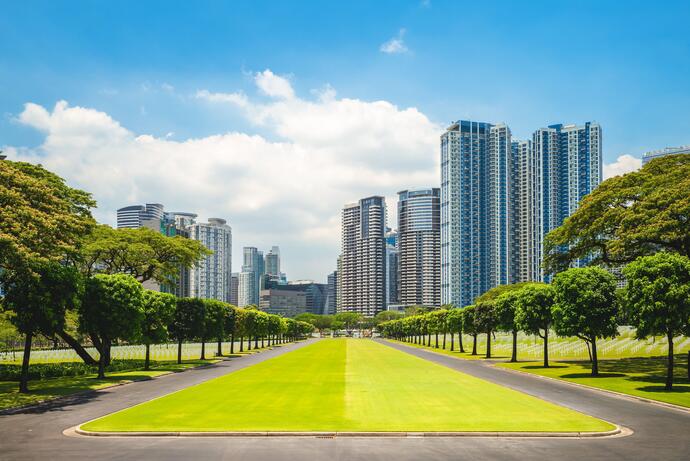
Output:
x=253 y=263
x=392 y=268
x=361 y=268
x=331 y=293
x=500 y=198
x=475 y=185
x=133 y=217
x=211 y=277
x=419 y=244
x=568 y=167
x=272 y=262
x=247 y=289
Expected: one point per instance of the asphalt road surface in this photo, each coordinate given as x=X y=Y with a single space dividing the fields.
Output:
x=659 y=433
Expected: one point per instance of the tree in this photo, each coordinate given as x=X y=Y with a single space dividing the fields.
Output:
x=41 y=219
x=112 y=310
x=187 y=322
x=158 y=309
x=658 y=297
x=385 y=316
x=455 y=324
x=506 y=306
x=586 y=306
x=39 y=299
x=637 y=214
x=533 y=313
x=142 y=253
x=215 y=313
x=469 y=326
x=486 y=321
x=230 y=320
x=350 y=320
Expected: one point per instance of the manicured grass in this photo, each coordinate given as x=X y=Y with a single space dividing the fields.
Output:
x=642 y=377
x=347 y=385
x=47 y=389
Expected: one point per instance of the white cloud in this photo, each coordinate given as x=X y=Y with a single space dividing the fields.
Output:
x=395 y=45
x=287 y=191
x=274 y=85
x=624 y=164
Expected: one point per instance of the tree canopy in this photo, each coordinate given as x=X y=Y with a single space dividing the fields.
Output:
x=142 y=253
x=41 y=218
x=628 y=216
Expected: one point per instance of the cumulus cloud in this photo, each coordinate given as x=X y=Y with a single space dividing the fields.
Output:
x=624 y=164
x=286 y=187
x=395 y=45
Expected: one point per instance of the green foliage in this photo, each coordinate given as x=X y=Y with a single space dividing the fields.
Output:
x=494 y=293
x=469 y=324
x=586 y=304
x=506 y=307
x=188 y=319
x=350 y=320
x=533 y=313
x=658 y=296
x=40 y=296
x=158 y=309
x=485 y=317
x=113 y=307
x=143 y=253
x=637 y=214
x=12 y=372
x=41 y=218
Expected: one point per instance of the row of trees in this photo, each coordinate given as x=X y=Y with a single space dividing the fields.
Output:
x=57 y=264
x=580 y=302
x=348 y=321
x=115 y=308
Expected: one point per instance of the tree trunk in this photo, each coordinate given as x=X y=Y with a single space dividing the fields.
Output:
x=462 y=348
x=452 y=342
x=488 y=345
x=232 y=343
x=256 y=342
x=474 y=344
x=688 y=366
x=436 y=343
x=220 y=347
x=107 y=346
x=102 y=360
x=262 y=342
x=203 y=349
x=179 y=351
x=147 y=361
x=24 y=378
x=669 y=370
x=546 y=348
x=241 y=344
x=513 y=358
x=78 y=348
x=595 y=360
x=444 y=341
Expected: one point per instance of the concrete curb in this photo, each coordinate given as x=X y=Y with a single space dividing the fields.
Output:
x=598 y=389
x=617 y=432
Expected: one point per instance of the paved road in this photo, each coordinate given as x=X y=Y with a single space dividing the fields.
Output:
x=660 y=433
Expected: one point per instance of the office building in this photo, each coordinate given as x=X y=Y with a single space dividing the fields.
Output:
x=253 y=263
x=272 y=262
x=234 y=288
x=211 y=277
x=419 y=245
x=283 y=302
x=331 y=293
x=247 y=289
x=362 y=264
x=132 y=217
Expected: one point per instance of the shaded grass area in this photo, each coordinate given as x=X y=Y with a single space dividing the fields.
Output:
x=347 y=385
x=641 y=376
x=51 y=388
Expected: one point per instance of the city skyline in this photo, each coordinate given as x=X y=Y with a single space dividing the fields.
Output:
x=276 y=134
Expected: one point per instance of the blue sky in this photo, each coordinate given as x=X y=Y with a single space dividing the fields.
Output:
x=146 y=65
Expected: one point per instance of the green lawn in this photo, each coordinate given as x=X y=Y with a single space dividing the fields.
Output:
x=347 y=385
x=47 y=389
x=642 y=377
